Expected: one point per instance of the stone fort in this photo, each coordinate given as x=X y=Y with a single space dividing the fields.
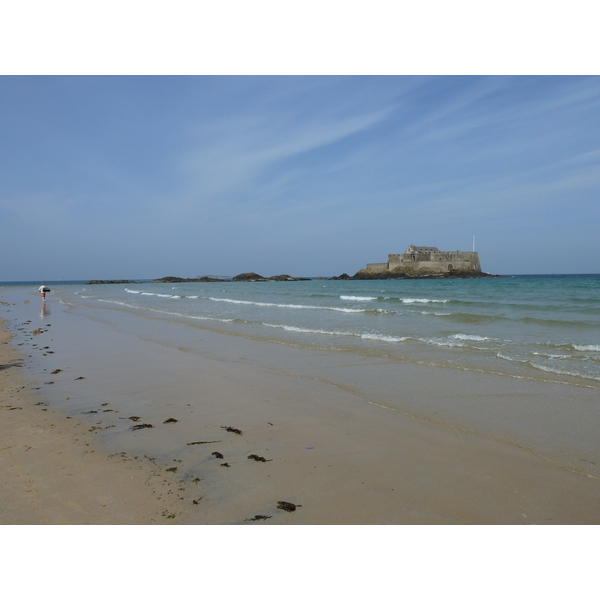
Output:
x=427 y=259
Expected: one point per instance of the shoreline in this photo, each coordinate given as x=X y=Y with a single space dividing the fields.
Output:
x=340 y=459
x=54 y=472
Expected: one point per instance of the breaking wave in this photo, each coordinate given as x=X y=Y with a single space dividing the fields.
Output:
x=358 y=298
x=587 y=347
x=295 y=306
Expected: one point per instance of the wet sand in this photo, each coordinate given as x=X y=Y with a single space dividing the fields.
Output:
x=53 y=471
x=339 y=458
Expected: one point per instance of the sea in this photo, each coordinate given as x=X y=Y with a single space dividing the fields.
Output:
x=536 y=327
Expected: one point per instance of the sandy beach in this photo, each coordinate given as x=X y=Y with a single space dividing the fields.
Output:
x=71 y=452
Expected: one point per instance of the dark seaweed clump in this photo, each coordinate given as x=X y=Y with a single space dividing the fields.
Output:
x=141 y=426
x=232 y=430
x=259 y=458
x=287 y=506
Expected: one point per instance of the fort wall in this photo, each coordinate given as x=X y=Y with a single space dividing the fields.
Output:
x=428 y=260
x=378 y=267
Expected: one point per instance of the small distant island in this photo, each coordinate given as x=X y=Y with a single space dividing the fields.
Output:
x=102 y=281
x=241 y=277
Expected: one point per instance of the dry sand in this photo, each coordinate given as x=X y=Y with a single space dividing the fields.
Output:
x=340 y=459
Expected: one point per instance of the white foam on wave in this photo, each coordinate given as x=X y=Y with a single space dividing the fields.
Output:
x=510 y=358
x=364 y=336
x=587 y=347
x=167 y=312
x=160 y=295
x=421 y=301
x=358 y=298
x=382 y=338
x=308 y=330
x=472 y=338
x=551 y=356
x=119 y=303
x=440 y=342
x=295 y=306
x=562 y=372
x=458 y=340
x=151 y=294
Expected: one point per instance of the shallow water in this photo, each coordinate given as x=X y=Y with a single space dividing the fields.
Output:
x=537 y=327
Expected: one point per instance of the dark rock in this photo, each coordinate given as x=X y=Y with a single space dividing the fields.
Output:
x=168 y=280
x=288 y=506
x=402 y=274
x=249 y=277
x=287 y=278
x=103 y=281
x=171 y=279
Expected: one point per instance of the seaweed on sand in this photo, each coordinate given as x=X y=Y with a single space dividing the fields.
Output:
x=211 y=442
x=259 y=458
x=287 y=506
x=232 y=430
x=141 y=426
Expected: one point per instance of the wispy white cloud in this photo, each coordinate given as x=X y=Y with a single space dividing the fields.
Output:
x=233 y=153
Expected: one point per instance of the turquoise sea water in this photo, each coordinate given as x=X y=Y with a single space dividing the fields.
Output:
x=533 y=327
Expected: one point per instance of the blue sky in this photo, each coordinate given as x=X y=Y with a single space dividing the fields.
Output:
x=135 y=176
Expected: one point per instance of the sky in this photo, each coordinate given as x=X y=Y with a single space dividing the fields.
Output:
x=110 y=177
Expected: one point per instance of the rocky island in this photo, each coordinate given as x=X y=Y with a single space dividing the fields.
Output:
x=171 y=279
x=424 y=262
x=103 y=281
x=241 y=277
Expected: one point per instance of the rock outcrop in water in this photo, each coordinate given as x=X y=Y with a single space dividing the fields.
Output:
x=407 y=274
x=171 y=279
x=102 y=281
x=403 y=273
x=256 y=277
x=241 y=277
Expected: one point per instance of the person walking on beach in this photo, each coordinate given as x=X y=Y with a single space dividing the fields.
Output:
x=43 y=290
